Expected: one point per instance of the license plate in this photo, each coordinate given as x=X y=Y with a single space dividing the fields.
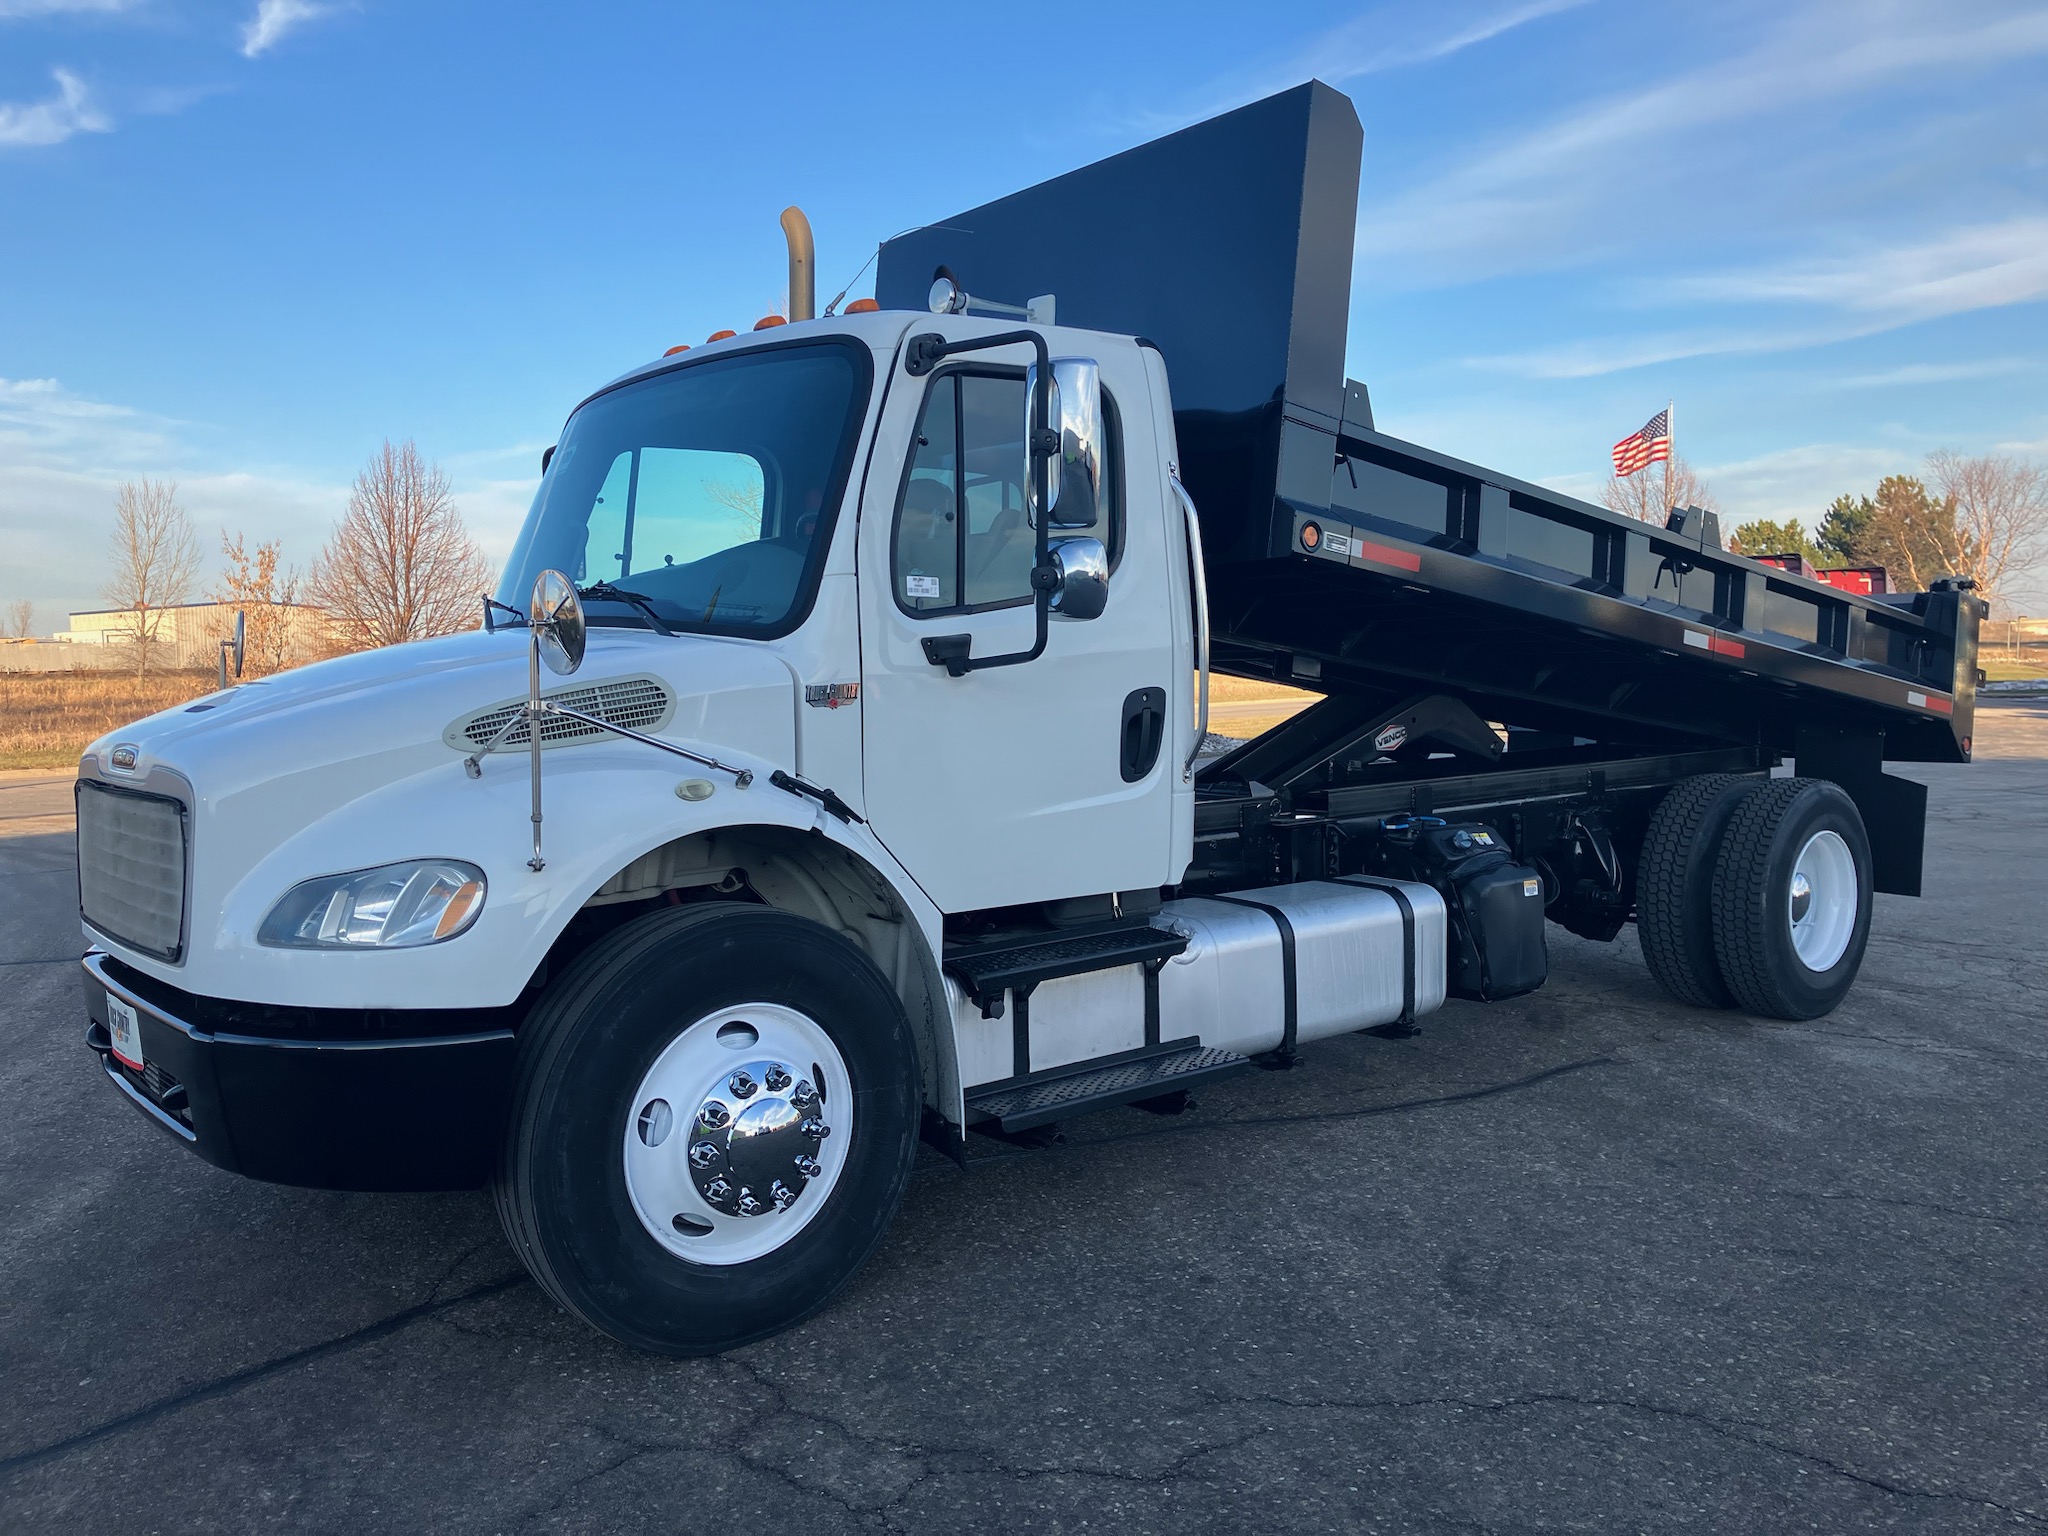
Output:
x=126 y=1029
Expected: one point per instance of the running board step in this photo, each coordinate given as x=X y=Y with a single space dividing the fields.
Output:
x=1065 y=1092
x=987 y=971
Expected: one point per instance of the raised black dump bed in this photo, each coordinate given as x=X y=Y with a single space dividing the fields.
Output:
x=1434 y=599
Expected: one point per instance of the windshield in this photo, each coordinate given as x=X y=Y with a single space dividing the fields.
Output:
x=707 y=491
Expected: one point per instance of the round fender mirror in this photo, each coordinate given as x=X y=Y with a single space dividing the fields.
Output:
x=557 y=618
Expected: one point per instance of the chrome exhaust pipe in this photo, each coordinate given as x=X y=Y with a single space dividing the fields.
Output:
x=803 y=265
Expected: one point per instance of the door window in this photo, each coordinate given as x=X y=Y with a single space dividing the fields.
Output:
x=964 y=540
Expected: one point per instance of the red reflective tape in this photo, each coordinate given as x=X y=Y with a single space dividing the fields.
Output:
x=1722 y=646
x=1386 y=554
x=1941 y=706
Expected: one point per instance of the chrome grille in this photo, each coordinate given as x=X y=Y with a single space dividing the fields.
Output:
x=131 y=867
x=638 y=703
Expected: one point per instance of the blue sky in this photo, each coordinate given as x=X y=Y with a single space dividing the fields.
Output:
x=242 y=242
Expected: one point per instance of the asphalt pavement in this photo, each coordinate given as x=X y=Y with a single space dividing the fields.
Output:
x=1583 y=1261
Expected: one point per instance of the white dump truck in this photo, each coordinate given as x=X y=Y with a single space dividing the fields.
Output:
x=829 y=773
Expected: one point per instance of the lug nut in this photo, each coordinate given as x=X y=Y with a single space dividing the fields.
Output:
x=714 y=1115
x=808 y=1167
x=741 y=1084
x=718 y=1190
x=775 y=1079
x=815 y=1128
x=703 y=1155
x=749 y=1206
x=783 y=1196
x=803 y=1096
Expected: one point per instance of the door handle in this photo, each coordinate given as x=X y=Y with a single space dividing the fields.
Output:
x=1142 y=732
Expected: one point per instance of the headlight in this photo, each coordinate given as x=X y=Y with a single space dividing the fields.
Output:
x=394 y=906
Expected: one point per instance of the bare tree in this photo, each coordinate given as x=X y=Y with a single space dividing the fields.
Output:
x=2001 y=516
x=1641 y=496
x=257 y=583
x=400 y=565
x=21 y=619
x=155 y=557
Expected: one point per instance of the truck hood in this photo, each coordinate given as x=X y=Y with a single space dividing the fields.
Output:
x=360 y=759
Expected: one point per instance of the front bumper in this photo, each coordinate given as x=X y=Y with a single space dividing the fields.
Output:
x=409 y=1113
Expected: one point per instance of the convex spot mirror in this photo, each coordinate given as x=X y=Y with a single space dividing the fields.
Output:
x=1083 y=590
x=557 y=618
x=1075 y=483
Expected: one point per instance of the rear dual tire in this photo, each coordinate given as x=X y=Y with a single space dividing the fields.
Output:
x=1755 y=894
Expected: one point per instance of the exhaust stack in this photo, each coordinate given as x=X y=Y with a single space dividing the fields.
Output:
x=803 y=274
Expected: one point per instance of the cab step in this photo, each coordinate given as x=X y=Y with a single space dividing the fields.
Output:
x=1062 y=1092
x=987 y=971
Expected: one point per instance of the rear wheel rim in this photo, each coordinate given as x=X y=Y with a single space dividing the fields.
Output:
x=1821 y=905
x=738 y=1133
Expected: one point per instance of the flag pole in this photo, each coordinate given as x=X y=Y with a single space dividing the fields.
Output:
x=1671 y=452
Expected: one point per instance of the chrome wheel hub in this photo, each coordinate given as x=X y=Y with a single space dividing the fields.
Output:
x=1821 y=906
x=752 y=1144
x=738 y=1133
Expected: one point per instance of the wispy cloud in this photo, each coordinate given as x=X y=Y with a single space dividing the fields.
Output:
x=1868 y=292
x=1984 y=267
x=275 y=18
x=1936 y=373
x=1547 y=196
x=34 y=124
x=1383 y=38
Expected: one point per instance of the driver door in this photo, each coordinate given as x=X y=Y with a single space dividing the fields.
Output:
x=1014 y=784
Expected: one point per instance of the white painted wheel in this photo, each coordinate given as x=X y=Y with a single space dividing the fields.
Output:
x=1822 y=902
x=738 y=1133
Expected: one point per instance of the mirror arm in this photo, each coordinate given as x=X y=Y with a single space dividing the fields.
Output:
x=741 y=777
x=924 y=353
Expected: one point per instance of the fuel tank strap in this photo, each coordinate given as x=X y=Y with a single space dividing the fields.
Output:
x=1289 y=991
x=1393 y=889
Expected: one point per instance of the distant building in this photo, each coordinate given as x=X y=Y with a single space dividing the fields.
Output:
x=189 y=634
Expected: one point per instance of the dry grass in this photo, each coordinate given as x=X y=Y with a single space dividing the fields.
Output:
x=2002 y=667
x=46 y=718
x=1234 y=690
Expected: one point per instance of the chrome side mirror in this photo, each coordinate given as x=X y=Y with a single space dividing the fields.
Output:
x=556 y=614
x=1075 y=484
x=1083 y=590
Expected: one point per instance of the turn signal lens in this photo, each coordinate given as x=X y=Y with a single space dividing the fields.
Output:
x=394 y=906
x=1311 y=535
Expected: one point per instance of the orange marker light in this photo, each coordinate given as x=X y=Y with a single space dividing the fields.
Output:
x=769 y=322
x=862 y=307
x=1311 y=535
x=679 y=347
x=719 y=336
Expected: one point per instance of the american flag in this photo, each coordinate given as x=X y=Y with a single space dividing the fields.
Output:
x=1648 y=446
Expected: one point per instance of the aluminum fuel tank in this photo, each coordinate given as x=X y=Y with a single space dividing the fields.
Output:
x=1350 y=942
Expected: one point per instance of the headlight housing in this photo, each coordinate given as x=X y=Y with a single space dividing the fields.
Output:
x=394 y=906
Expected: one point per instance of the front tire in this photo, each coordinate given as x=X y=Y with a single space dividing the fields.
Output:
x=689 y=1057
x=1792 y=899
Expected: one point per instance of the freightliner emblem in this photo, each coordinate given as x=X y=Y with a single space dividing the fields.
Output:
x=830 y=695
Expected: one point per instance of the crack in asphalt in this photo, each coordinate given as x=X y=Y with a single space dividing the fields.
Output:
x=1911 y=1205
x=1308 y=1117
x=1733 y=1429
x=234 y=1381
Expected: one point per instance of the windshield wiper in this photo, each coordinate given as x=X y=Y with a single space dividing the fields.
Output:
x=605 y=592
